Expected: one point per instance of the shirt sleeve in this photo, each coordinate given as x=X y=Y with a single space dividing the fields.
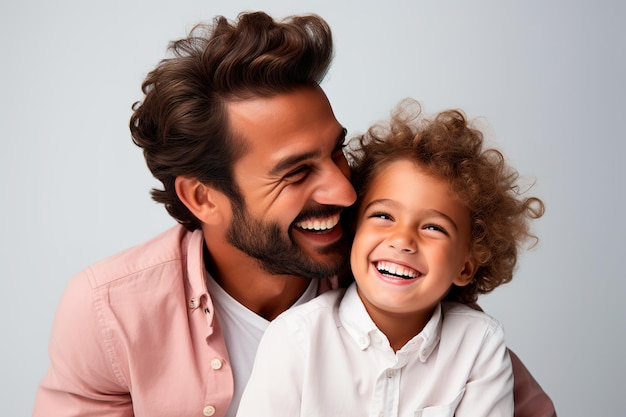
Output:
x=275 y=385
x=530 y=399
x=82 y=379
x=489 y=390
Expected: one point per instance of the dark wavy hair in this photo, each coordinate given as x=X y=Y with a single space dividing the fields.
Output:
x=182 y=123
x=447 y=147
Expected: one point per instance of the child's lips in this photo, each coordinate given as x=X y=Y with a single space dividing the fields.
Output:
x=396 y=270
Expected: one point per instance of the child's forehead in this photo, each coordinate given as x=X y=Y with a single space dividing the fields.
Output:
x=403 y=174
x=406 y=176
x=405 y=165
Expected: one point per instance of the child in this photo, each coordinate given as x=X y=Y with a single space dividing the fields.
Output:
x=439 y=221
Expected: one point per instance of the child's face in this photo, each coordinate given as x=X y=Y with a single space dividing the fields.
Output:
x=411 y=242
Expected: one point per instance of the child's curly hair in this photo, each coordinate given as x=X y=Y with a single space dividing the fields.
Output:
x=448 y=148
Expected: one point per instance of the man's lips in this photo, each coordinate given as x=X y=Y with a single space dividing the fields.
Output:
x=397 y=271
x=318 y=225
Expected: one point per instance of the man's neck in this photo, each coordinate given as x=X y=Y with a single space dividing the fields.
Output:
x=243 y=279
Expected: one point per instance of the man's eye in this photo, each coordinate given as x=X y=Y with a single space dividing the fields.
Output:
x=298 y=173
x=338 y=154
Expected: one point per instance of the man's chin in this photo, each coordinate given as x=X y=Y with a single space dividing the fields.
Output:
x=310 y=266
x=328 y=261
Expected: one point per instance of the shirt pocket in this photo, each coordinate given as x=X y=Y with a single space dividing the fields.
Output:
x=445 y=410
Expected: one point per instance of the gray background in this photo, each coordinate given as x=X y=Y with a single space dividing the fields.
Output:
x=547 y=77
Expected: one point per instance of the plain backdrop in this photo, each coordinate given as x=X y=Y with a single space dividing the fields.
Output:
x=546 y=78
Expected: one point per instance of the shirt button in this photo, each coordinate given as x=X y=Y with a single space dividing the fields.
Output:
x=391 y=373
x=208 y=411
x=193 y=303
x=216 y=364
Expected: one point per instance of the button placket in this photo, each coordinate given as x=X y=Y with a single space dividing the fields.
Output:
x=216 y=364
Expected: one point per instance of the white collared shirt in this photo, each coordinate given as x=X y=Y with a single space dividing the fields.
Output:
x=327 y=358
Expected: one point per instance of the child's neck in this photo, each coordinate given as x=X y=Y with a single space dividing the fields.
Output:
x=400 y=328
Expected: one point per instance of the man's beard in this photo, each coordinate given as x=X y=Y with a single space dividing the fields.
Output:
x=276 y=251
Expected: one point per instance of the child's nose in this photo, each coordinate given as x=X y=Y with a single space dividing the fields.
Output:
x=403 y=241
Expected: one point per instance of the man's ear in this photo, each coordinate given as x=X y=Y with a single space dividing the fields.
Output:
x=467 y=272
x=204 y=201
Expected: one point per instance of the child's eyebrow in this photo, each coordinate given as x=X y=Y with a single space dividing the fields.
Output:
x=445 y=216
x=384 y=202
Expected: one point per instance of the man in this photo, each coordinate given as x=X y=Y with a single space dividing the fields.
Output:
x=245 y=143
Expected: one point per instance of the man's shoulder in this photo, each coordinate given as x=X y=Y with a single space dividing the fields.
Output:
x=162 y=252
x=147 y=280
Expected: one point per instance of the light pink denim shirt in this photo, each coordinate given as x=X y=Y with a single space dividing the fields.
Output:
x=139 y=324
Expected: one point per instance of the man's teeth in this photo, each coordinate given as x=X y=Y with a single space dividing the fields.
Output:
x=390 y=268
x=319 y=224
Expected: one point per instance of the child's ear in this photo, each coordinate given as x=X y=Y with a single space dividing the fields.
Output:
x=204 y=201
x=467 y=272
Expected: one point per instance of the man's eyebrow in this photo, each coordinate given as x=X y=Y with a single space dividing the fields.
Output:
x=292 y=160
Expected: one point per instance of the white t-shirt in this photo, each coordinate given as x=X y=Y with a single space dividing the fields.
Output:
x=327 y=358
x=242 y=331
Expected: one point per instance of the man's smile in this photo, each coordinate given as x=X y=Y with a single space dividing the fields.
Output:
x=318 y=224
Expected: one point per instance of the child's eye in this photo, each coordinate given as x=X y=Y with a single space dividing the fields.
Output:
x=380 y=215
x=436 y=228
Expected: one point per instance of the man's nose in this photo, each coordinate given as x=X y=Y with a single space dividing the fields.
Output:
x=335 y=188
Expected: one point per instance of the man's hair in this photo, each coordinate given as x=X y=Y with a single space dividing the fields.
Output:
x=182 y=124
x=447 y=147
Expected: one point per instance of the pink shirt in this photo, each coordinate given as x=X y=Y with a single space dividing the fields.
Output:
x=142 y=324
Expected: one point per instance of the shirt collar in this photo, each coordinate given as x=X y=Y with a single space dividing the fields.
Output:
x=197 y=293
x=361 y=328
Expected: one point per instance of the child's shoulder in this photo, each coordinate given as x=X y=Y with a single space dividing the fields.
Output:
x=307 y=321
x=324 y=304
x=462 y=314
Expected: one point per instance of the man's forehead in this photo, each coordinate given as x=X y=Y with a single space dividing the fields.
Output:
x=254 y=108
x=300 y=121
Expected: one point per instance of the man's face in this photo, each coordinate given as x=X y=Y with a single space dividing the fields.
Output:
x=294 y=181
